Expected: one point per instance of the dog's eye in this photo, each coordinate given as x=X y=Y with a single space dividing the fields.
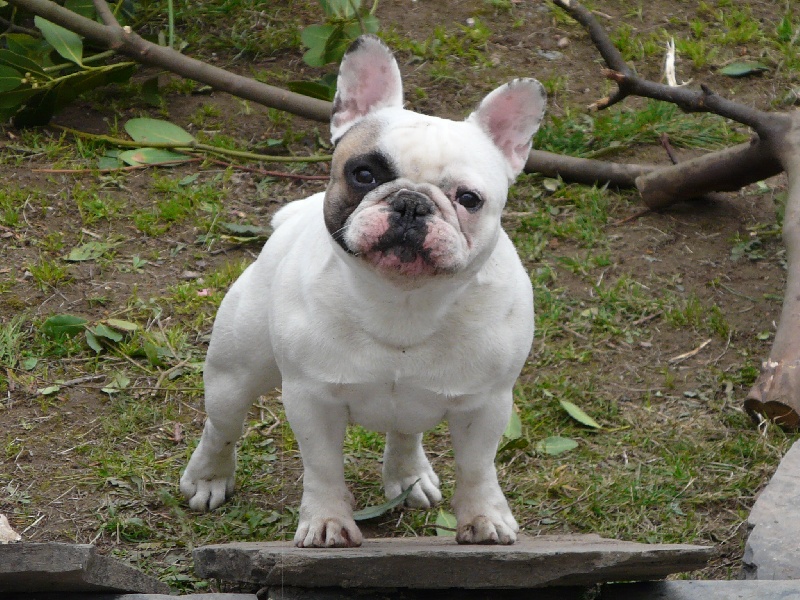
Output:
x=364 y=176
x=469 y=200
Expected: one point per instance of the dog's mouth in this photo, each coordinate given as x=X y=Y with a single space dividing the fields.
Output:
x=399 y=239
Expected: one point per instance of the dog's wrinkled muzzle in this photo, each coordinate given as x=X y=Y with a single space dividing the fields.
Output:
x=407 y=225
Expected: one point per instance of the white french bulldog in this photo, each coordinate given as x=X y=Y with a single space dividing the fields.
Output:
x=394 y=300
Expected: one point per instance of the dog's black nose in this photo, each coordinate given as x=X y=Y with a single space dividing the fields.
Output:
x=411 y=205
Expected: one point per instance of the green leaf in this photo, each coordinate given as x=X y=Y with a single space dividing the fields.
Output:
x=152 y=156
x=313 y=89
x=446 y=519
x=504 y=452
x=127 y=326
x=109 y=162
x=156 y=131
x=153 y=353
x=105 y=331
x=514 y=427
x=371 y=23
x=741 y=69
x=118 y=383
x=23 y=63
x=151 y=93
x=60 y=326
x=67 y=43
x=88 y=251
x=370 y=512
x=316 y=36
x=29 y=364
x=579 y=415
x=49 y=390
x=93 y=342
x=10 y=78
x=555 y=445
x=245 y=230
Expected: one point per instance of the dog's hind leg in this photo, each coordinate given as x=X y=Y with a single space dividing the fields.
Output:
x=404 y=462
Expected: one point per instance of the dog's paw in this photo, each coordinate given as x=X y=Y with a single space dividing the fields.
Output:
x=208 y=483
x=425 y=493
x=485 y=530
x=328 y=532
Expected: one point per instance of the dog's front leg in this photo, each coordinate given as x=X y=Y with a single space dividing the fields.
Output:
x=482 y=512
x=326 y=510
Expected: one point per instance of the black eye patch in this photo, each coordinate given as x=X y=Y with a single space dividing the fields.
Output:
x=366 y=172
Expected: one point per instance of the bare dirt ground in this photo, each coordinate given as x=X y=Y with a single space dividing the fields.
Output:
x=60 y=461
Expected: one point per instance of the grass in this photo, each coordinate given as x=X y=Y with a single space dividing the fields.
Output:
x=675 y=458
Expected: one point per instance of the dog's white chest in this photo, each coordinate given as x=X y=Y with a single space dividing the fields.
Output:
x=392 y=406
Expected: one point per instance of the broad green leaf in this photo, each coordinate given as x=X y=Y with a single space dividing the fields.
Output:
x=504 y=452
x=153 y=353
x=93 y=342
x=23 y=63
x=514 y=427
x=109 y=162
x=313 y=89
x=445 y=519
x=105 y=331
x=316 y=36
x=245 y=230
x=67 y=43
x=344 y=9
x=88 y=251
x=10 y=78
x=122 y=325
x=555 y=445
x=743 y=68
x=579 y=415
x=370 y=512
x=151 y=93
x=59 y=326
x=156 y=131
x=189 y=179
x=29 y=364
x=371 y=23
x=152 y=156
x=118 y=383
x=49 y=390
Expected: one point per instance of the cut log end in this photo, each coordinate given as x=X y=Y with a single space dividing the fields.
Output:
x=775 y=396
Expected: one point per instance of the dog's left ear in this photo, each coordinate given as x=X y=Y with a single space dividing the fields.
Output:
x=510 y=115
x=369 y=79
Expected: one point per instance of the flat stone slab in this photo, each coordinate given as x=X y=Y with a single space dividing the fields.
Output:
x=437 y=563
x=660 y=590
x=773 y=546
x=704 y=590
x=54 y=567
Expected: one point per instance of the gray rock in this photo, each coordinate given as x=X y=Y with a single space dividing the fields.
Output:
x=54 y=567
x=436 y=563
x=773 y=546
x=292 y=593
x=704 y=590
x=113 y=596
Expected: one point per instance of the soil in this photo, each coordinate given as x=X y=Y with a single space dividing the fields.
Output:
x=43 y=478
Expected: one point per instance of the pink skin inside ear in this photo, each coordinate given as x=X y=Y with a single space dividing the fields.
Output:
x=367 y=82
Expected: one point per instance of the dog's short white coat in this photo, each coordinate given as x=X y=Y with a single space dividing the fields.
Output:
x=345 y=344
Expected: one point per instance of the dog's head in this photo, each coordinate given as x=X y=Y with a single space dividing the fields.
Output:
x=413 y=195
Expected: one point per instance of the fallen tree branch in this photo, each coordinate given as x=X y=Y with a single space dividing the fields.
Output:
x=775 y=148
x=126 y=42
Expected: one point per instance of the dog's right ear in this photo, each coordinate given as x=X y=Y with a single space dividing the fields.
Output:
x=369 y=79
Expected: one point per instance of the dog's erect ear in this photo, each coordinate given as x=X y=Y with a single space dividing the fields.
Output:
x=369 y=79
x=510 y=115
